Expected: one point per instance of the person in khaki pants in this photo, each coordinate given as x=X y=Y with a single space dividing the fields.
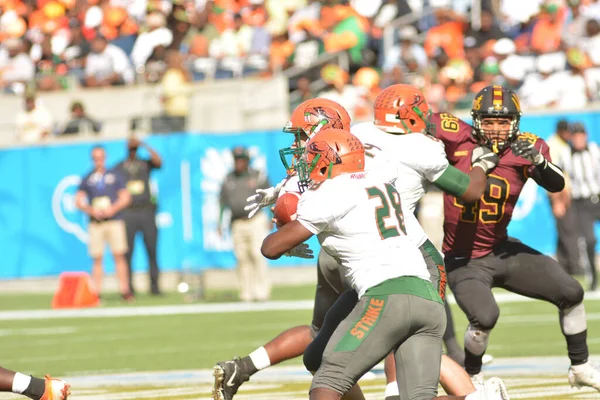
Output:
x=247 y=233
x=106 y=197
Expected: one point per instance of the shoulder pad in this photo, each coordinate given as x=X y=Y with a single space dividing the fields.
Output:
x=449 y=123
x=530 y=137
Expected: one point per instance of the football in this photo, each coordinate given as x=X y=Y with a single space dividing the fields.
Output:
x=286 y=208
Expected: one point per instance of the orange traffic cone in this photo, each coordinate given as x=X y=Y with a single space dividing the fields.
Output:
x=75 y=290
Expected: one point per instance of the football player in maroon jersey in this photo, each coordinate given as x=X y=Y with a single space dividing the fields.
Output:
x=479 y=254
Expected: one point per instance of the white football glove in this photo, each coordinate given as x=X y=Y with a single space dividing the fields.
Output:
x=484 y=158
x=301 y=251
x=262 y=198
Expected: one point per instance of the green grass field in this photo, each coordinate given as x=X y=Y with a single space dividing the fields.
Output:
x=77 y=348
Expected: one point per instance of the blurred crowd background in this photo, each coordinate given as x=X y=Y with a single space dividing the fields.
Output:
x=546 y=50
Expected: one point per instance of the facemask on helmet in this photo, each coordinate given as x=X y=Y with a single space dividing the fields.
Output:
x=328 y=154
x=308 y=119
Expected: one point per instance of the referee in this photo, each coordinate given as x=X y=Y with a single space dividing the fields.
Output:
x=581 y=162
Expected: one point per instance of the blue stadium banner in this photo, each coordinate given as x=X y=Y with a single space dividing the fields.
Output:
x=42 y=233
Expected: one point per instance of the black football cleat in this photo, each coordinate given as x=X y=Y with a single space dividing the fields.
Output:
x=229 y=376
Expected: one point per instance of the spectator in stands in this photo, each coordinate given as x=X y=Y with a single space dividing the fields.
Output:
x=76 y=51
x=547 y=30
x=81 y=122
x=16 y=66
x=107 y=65
x=258 y=55
x=447 y=34
x=175 y=93
x=512 y=73
x=140 y=215
x=234 y=42
x=542 y=89
x=338 y=89
x=489 y=29
x=247 y=233
x=575 y=28
x=282 y=52
x=304 y=90
x=567 y=248
x=474 y=55
x=366 y=80
x=157 y=34
x=406 y=49
x=486 y=74
x=591 y=42
x=50 y=69
x=298 y=18
x=34 y=122
x=155 y=66
x=341 y=29
x=576 y=90
x=102 y=195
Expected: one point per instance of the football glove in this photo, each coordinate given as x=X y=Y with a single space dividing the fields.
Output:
x=301 y=251
x=262 y=198
x=484 y=158
x=525 y=149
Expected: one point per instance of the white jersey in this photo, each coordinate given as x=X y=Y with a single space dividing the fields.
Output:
x=358 y=220
x=411 y=159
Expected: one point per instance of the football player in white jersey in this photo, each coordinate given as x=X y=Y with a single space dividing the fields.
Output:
x=395 y=141
x=305 y=121
x=357 y=216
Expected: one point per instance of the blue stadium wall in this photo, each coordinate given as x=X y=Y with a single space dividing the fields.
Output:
x=42 y=233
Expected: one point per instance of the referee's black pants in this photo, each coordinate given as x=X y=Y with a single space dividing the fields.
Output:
x=588 y=212
x=568 y=253
x=142 y=219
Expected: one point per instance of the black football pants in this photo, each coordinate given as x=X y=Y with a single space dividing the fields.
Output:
x=513 y=266
x=588 y=212
x=142 y=220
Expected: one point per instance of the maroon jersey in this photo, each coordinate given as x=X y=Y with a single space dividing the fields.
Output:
x=472 y=230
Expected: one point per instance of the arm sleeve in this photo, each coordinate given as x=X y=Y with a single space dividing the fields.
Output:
x=547 y=175
x=313 y=212
x=453 y=181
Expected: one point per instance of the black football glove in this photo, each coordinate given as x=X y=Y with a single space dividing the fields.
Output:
x=484 y=158
x=525 y=149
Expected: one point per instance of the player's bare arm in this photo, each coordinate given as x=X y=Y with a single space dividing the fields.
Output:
x=285 y=239
x=543 y=172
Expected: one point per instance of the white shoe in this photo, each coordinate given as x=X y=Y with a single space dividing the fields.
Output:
x=495 y=389
x=584 y=375
x=478 y=381
x=487 y=359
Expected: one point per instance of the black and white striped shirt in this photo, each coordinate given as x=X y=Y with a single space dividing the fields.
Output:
x=583 y=169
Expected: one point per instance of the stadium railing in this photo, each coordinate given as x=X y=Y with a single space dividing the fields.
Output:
x=217 y=107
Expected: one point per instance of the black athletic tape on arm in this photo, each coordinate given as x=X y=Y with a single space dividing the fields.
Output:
x=548 y=176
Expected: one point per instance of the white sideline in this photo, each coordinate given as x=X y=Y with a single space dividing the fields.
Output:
x=117 y=312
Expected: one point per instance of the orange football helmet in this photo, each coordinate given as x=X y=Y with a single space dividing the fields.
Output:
x=315 y=115
x=307 y=119
x=330 y=153
x=402 y=109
